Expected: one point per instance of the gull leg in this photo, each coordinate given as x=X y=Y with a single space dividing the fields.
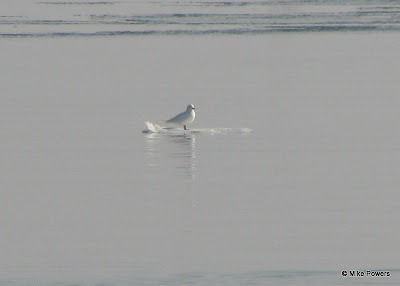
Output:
x=184 y=127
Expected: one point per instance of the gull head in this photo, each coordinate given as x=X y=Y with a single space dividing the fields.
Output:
x=190 y=107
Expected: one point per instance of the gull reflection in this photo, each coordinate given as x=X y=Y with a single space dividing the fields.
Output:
x=178 y=150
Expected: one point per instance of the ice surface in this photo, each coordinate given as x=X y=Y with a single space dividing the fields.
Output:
x=155 y=128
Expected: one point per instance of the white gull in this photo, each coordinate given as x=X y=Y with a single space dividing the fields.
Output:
x=184 y=118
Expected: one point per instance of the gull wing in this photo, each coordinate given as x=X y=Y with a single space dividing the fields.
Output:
x=178 y=118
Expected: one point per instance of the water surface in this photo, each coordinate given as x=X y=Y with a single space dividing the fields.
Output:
x=115 y=18
x=88 y=199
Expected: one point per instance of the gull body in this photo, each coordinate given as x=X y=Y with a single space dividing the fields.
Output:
x=184 y=118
